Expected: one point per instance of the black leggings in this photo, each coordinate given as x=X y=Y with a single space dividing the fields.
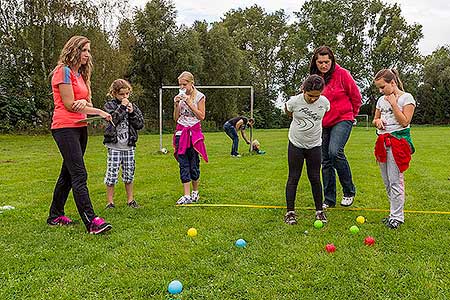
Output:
x=296 y=156
x=73 y=176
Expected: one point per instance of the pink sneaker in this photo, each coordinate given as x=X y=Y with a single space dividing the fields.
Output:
x=98 y=225
x=61 y=220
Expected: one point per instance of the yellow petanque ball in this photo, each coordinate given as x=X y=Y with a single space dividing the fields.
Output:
x=360 y=220
x=192 y=232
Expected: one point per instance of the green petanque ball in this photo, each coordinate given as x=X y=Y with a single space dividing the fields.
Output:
x=318 y=224
x=354 y=229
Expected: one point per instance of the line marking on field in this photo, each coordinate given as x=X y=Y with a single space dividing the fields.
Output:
x=312 y=208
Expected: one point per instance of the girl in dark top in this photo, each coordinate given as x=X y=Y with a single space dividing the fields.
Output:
x=231 y=128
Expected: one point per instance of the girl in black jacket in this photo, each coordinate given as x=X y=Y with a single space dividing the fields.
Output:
x=120 y=139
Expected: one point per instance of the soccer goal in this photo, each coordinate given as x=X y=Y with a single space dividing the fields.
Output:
x=364 y=119
x=175 y=87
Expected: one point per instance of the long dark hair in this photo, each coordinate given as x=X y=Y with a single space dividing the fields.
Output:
x=322 y=50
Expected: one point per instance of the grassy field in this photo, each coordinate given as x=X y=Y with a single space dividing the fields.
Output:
x=149 y=247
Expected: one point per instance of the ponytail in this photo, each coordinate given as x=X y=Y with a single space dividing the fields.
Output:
x=388 y=75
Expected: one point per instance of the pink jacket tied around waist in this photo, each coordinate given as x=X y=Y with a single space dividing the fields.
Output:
x=190 y=135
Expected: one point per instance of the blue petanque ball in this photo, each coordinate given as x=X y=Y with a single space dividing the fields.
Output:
x=175 y=287
x=241 y=243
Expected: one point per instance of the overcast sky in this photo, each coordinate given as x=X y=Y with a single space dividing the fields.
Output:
x=433 y=15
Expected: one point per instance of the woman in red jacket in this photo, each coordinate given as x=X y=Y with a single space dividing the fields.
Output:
x=345 y=101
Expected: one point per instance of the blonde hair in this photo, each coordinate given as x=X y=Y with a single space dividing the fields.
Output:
x=388 y=75
x=117 y=85
x=189 y=78
x=71 y=56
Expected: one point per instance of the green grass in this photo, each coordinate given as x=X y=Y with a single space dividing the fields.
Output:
x=149 y=247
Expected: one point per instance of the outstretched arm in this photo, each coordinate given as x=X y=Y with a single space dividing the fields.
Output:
x=244 y=136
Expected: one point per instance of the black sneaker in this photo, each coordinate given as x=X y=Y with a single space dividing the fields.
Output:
x=133 y=204
x=290 y=218
x=385 y=220
x=320 y=215
x=393 y=224
x=110 y=205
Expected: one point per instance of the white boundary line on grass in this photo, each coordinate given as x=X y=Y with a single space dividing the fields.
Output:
x=312 y=208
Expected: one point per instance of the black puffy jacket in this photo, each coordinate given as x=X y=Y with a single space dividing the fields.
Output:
x=118 y=113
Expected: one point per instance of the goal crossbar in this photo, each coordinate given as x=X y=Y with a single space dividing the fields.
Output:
x=172 y=87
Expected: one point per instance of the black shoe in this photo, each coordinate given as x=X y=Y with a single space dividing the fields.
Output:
x=320 y=215
x=98 y=225
x=133 y=204
x=290 y=218
x=393 y=224
x=110 y=205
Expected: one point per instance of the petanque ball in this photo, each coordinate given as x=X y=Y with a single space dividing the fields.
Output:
x=318 y=224
x=175 y=287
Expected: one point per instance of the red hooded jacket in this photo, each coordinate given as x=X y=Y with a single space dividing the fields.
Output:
x=344 y=97
x=401 y=150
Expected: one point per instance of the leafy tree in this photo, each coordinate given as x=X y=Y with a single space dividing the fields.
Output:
x=433 y=95
x=222 y=66
x=32 y=32
x=294 y=60
x=259 y=35
x=154 y=53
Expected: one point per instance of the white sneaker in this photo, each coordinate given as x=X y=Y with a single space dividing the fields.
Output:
x=236 y=156
x=347 y=201
x=184 y=200
x=195 y=196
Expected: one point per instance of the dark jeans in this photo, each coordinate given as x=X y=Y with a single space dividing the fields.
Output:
x=189 y=163
x=334 y=160
x=72 y=145
x=230 y=130
x=296 y=156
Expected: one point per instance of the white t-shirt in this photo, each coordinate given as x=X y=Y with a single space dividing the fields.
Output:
x=387 y=114
x=306 y=126
x=187 y=117
x=122 y=136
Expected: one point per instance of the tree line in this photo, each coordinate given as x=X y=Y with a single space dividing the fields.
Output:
x=248 y=46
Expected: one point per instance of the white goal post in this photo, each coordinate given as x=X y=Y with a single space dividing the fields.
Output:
x=366 y=119
x=173 y=87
